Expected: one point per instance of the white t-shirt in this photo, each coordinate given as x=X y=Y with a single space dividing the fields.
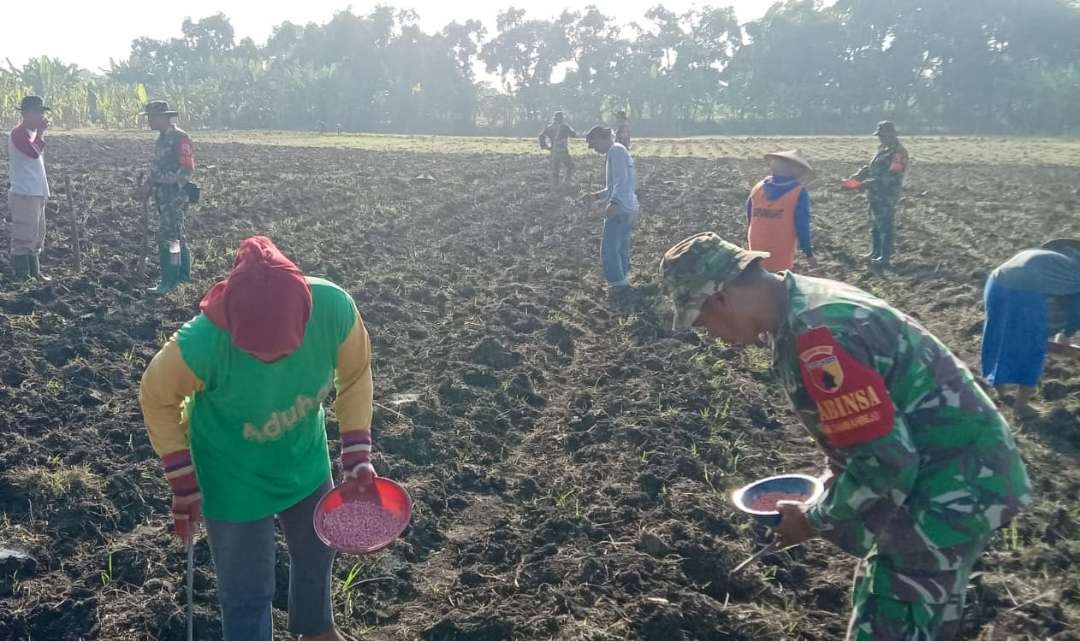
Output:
x=26 y=174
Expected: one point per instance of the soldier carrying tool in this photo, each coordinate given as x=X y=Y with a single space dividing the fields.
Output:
x=172 y=190
x=556 y=138
x=882 y=179
x=924 y=467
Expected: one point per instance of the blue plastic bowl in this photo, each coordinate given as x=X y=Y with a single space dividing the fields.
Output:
x=809 y=487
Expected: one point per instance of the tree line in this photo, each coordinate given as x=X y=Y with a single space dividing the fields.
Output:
x=959 y=66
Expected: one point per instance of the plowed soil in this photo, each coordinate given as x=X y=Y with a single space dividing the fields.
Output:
x=570 y=459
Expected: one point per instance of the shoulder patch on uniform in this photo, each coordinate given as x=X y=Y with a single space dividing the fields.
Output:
x=852 y=399
x=187 y=157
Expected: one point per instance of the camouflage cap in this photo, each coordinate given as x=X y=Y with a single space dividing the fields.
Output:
x=885 y=127
x=697 y=268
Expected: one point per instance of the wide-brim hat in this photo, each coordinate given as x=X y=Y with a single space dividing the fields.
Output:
x=33 y=103
x=1070 y=245
x=793 y=155
x=158 y=108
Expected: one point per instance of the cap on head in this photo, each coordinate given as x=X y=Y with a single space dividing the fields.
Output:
x=794 y=156
x=34 y=104
x=157 y=108
x=265 y=303
x=885 y=128
x=557 y=116
x=599 y=132
x=698 y=267
x=1063 y=245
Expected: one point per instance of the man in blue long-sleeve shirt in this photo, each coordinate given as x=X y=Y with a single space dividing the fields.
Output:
x=618 y=205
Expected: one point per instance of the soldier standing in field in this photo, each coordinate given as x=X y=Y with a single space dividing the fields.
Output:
x=924 y=467
x=622 y=128
x=29 y=189
x=882 y=179
x=556 y=138
x=170 y=173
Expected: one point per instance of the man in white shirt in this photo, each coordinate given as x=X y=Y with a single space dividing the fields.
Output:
x=29 y=189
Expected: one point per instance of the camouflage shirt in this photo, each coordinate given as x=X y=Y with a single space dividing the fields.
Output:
x=559 y=135
x=885 y=173
x=929 y=465
x=174 y=161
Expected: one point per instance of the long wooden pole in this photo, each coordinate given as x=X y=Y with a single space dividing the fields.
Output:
x=145 y=224
x=74 y=223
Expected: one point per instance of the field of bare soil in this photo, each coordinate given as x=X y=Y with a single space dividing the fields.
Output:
x=570 y=461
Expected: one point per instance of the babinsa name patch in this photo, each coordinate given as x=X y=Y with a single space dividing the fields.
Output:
x=852 y=399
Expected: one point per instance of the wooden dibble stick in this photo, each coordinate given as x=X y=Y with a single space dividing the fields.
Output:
x=140 y=181
x=76 y=245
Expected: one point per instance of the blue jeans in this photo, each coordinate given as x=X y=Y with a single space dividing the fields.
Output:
x=244 y=561
x=615 y=247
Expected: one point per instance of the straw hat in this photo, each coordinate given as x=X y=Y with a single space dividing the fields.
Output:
x=794 y=156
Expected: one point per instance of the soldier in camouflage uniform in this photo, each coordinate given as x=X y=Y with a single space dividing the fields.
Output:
x=556 y=138
x=170 y=173
x=882 y=179
x=925 y=468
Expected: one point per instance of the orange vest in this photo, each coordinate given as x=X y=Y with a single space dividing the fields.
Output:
x=772 y=227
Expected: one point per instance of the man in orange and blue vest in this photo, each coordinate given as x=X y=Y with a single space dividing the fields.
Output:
x=778 y=212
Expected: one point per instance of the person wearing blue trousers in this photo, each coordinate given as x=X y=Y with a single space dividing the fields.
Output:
x=618 y=205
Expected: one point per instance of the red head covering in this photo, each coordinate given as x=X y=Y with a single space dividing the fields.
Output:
x=265 y=302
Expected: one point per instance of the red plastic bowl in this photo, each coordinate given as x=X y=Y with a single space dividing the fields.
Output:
x=393 y=505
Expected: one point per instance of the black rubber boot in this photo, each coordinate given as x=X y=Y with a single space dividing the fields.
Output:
x=35 y=268
x=184 y=273
x=21 y=265
x=875 y=247
x=885 y=258
x=169 y=272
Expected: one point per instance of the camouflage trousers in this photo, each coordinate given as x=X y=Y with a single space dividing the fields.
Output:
x=560 y=159
x=883 y=223
x=172 y=203
x=878 y=615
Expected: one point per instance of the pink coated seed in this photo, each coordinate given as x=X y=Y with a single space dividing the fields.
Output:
x=359 y=525
x=767 y=502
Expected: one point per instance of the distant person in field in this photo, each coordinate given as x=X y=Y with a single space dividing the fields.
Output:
x=234 y=407
x=922 y=467
x=778 y=212
x=1032 y=308
x=171 y=171
x=28 y=189
x=622 y=128
x=618 y=205
x=883 y=179
x=556 y=139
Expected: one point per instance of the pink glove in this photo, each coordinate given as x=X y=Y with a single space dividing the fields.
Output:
x=187 y=499
x=356 y=456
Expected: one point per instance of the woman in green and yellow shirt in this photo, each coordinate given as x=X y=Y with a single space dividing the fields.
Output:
x=233 y=405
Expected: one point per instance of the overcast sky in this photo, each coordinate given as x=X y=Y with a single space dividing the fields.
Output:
x=88 y=33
